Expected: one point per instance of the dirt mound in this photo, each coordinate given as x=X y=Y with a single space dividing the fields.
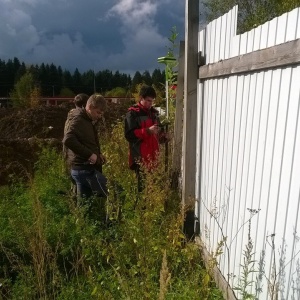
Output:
x=40 y=122
x=18 y=157
x=23 y=133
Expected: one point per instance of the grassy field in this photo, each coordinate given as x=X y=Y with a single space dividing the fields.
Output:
x=52 y=247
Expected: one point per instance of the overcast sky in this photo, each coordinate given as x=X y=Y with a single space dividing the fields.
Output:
x=124 y=35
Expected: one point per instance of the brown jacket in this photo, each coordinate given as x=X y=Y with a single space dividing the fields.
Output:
x=81 y=140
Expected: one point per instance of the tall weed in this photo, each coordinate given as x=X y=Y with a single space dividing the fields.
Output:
x=51 y=248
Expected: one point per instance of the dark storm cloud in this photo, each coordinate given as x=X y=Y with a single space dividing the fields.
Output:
x=124 y=35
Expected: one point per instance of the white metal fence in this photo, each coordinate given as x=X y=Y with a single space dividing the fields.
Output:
x=248 y=158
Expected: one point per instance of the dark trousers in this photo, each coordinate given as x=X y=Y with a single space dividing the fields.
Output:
x=140 y=179
x=90 y=183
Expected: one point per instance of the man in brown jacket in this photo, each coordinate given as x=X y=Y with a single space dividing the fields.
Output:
x=80 y=101
x=83 y=148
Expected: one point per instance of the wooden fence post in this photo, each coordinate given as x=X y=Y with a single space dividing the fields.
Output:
x=190 y=111
x=177 y=143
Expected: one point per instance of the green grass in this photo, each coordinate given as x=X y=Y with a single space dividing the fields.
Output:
x=51 y=248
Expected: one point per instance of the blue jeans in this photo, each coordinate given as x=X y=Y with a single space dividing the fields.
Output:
x=90 y=183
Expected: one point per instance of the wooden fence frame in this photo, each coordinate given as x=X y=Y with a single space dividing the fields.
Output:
x=282 y=55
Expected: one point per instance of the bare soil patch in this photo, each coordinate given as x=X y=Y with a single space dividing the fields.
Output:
x=24 y=133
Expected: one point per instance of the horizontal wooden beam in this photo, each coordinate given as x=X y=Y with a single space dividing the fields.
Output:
x=278 y=56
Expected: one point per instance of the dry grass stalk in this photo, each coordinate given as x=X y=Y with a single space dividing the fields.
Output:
x=165 y=277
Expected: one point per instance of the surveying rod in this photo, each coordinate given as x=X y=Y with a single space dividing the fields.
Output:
x=166 y=60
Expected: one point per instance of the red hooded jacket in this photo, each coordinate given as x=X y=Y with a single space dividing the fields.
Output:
x=143 y=146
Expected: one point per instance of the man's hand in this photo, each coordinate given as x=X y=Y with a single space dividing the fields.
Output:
x=154 y=129
x=102 y=158
x=93 y=159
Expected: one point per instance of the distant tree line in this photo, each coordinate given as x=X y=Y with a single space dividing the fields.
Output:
x=53 y=81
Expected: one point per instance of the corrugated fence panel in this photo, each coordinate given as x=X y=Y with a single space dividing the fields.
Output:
x=254 y=181
x=217 y=39
x=217 y=46
x=292 y=21
x=257 y=33
x=249 y=164
x=219 y=149
x=292 y=209
x=284 y=200
x=298 y=26
x=201 y=41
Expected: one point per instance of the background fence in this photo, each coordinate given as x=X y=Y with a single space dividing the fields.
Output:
x=248 y=151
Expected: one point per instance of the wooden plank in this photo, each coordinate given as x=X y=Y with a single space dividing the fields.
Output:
x=278 y=56
x=220 y=280
x=190 y=102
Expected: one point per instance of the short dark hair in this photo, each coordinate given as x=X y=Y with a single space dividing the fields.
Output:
x=147 y=91
x=80 y=100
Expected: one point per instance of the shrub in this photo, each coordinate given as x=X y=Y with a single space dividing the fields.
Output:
x=51 y=248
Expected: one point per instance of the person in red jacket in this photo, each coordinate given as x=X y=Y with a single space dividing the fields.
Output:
x=142 y=131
